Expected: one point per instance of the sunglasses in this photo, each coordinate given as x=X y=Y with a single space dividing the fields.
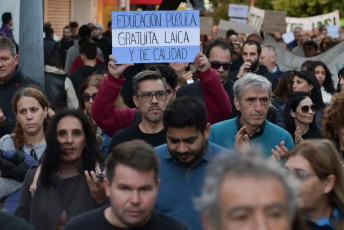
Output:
x=306 y=108
x=216 y=65
x=86 y=97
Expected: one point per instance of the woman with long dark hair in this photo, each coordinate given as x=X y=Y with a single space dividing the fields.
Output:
x=60 y=188
x=323 y=75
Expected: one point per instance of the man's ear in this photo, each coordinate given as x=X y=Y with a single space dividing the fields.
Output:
x=107 y=186
x=136 y=101
x=237 y=103
x=207 y=131
x=16 y=59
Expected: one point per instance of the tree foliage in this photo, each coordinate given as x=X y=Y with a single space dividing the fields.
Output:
x=306 y=8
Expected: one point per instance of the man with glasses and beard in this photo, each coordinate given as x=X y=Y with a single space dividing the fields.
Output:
x=219 y=54
x=184 y=159
x=251 y=51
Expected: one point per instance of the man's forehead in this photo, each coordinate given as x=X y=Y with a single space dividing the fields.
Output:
x=217 y=53
x=151 y=85
x=249 y=47
x=250 y=91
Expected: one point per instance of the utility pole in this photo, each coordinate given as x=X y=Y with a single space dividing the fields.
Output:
x=31 y=58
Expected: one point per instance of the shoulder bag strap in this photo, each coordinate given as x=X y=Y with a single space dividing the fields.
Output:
x=33 y=186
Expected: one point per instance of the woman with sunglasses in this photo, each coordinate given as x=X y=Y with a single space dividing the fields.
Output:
x=305 y=81
x=316 y=164
x=88 y=92
x=299 y=117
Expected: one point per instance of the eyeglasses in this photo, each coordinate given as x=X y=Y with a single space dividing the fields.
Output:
x=86 y=97
x=148 y=96
x=306 y=108
x=301 y=174
x=216 y=65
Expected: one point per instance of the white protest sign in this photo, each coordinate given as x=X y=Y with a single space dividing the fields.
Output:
x=288 y=37
x=313 y=22
x=333 y=58
x=207 y=24
x=238 y=11
x=155 y=36
x=256 y=17
x=226 y=25
x=238 y=21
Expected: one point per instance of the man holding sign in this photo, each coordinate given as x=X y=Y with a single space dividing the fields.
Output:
x=137 y=33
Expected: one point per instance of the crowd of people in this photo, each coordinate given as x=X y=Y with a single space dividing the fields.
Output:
x=229 y=141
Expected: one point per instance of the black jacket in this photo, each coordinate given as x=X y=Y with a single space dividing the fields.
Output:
x=55 y=90
x=7 y=92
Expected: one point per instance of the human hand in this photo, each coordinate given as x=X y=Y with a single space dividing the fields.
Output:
x=244 y=69
x=280 y=152
x=242 y=141
x=116 y=70
x=96 y=186
x=2 y=118
x=201 y=62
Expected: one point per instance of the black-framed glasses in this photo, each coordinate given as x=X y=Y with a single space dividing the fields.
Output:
x=148 y=96
x=306 y=108
x=216 y=65
x=86 y=97
x=301 y=174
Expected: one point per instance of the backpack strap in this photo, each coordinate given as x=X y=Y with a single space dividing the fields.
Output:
x=33 y=186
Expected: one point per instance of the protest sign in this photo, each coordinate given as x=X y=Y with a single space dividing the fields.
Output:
x=238 y=21
x=274 y=21
x=207 y=24
x=333 y=31
x=155 y=36
x=313 y=22
x=226 y=25
x=333 y=58
x=238 y=11
x=256 y=17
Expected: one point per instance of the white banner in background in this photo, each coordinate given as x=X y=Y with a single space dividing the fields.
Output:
x=256 y=17
x=333 y=58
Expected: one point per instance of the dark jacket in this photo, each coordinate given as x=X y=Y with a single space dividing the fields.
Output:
x=80 y=75
x=7 y=92
x=55 y=90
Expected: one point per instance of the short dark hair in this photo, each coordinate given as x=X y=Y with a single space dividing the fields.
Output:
x=168 y=73
x=6 y=18
x=230 y=33
x=146 y=75
x=73 y=24
x=223 y=43
x=251 y=42
x=311 y=43
x=67 y=27
x=184 y=112
x=52 y=153
x=49 y=32
x=109 y=23
x=136 y=154
x=89 y=49
x=53 y=59
x=84 y=31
